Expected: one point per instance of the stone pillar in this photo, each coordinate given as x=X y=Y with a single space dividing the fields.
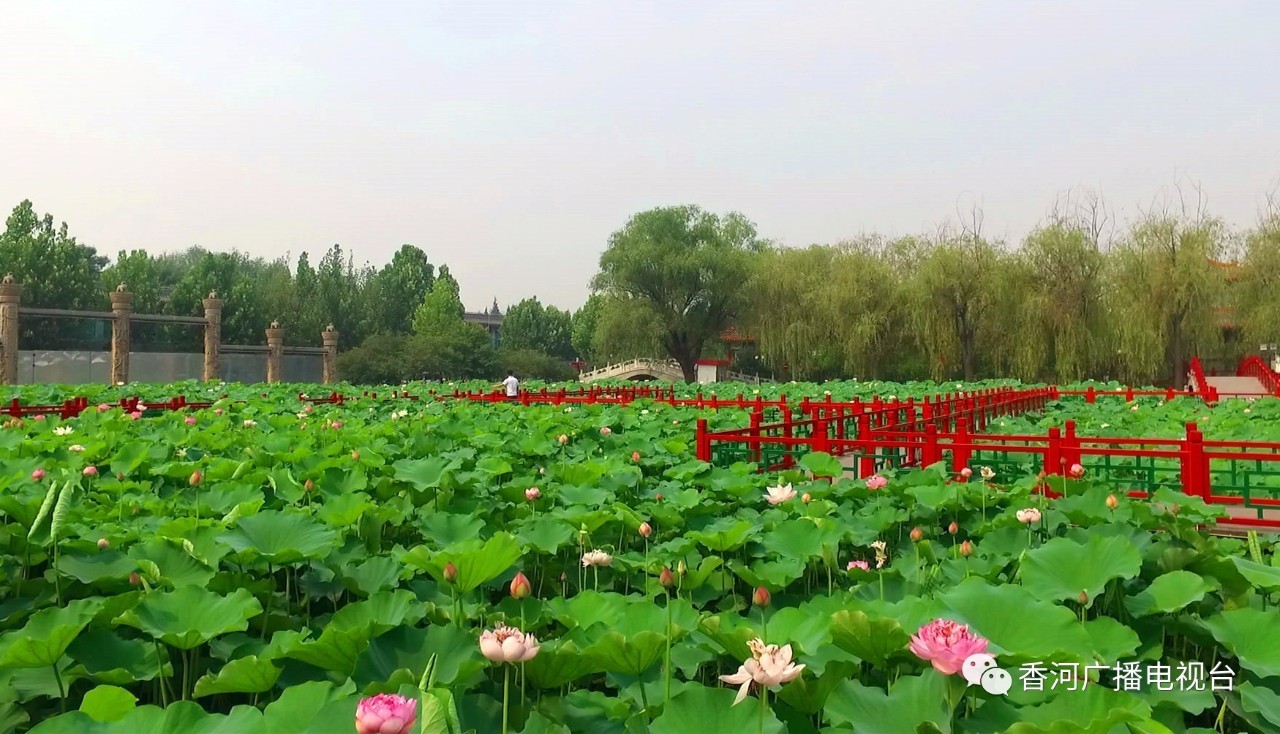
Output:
x=121 y=312
x=10 y=302
x=275 y=350
x=212 y=335
x=330 y=355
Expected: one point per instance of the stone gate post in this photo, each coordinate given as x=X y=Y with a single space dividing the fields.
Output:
x=330 y=338
x=10 y=302
x=275 y=350
x=212 y=335
x=121 y=313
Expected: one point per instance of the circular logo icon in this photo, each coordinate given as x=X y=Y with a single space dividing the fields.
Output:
x=981 y=670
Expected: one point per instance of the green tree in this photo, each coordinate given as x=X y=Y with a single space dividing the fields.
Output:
x=54 y=269
x=1256 y=295
x=140 y=273
x=685 y=267
x=399 y=288
x=529 y=325
x=442 y=308
x=583 y=325
x=1164 y=292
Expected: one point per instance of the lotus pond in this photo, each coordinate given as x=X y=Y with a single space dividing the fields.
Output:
x=262 y=567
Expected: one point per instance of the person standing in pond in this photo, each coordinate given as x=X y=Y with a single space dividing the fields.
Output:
x=512 y=385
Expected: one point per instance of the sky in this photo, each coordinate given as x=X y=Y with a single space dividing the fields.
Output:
x=510 y=139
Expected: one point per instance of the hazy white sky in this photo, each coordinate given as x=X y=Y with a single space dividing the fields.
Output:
x=509 y=139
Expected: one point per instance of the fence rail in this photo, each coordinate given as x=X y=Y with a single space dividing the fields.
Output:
x=1253 y=366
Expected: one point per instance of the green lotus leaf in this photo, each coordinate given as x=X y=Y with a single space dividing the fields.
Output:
x=631 y=655
x=312 y=708
x=1061 y=568
x=108 y=703
x=821 y=465
x=242 y=675
x=1260 y=700
x=1093 y=708
x=190 y=616
x=374 y=575
x=280 y=537
x=344 y=510
x=171 y=565
x=912 y=702
x=98 y=566
x=559 y=663
x=1040 y=630
x=109 y=658
x=48 y=633
x=726 y=534
x=443 y=529
x=588 y=609
x=711 y=711
x=1250 y=635
x=1169 y=593
x=546 y=534
x=457 y=652
x=182 y=716
x=477 y=563
x=873 y=640
x=1260 y=575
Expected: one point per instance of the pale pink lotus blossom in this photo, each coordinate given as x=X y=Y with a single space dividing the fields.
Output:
x=90 y=471
x=781 y=493
x=882 y=555
x=103 y=407
x=596 y=558
x=1077 y=471
x=190 y=420
x=966 y=472
x=770 y=666
x=875 y=481
x=532 y=493
x=75 y=448
x=988 y=473
x=563 y=439
x=386 y=714
x=250 y=423
x=863 y=565
x=217 y=411
x=39 y=417
x=946 y=644
x=38 y=474
x=605 y=431
x=645 y=530
x=1028 y=516
x=508 y=645
x=136 y=414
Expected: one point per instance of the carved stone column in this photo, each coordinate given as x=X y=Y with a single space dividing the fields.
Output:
x=212 y=335
x=10 y=302
x=121 y=312
x=275 y=350
x=330 y=355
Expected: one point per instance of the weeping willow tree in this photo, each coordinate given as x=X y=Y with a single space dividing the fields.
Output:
x=1062 y=323
x=1164 y=291
x=1256 y=295
x=825 y=311
x=954 y=296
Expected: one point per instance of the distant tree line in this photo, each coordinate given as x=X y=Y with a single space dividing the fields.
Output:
x=1081 y=296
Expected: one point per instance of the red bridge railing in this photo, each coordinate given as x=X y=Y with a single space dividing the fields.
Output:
x=1256 y=368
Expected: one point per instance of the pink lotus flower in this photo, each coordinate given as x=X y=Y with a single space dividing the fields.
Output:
x=605 y=431
x=190 y=420
x=946 y=644
x=38 y=474
x=103 y=544
x=1028 y=516
x=217 y=411
x=778 y=495
x=563 y=439
x=336 y=425
x=645 y=530
x=769 y=667
x=90 y=471
x=386 y=714
x=862 y=565
x=532 y=493
x=136 y=414
x=39 y=416
x=103 y=408
x=876 y=481
x=508 y=645
x=1077 y=471
x=966 y=472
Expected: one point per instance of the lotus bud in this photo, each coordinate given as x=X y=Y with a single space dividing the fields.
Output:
x=666 y=578
x=966 y=472
x=916 y=535
x=953 y=528
x=355 y=455
x=135 y=579
x=37 y=475
x=645 y=530
x=966 y=549
x=450 y=572
x=520 y=587
x=806 y=498
x=103 y=544
x=681 y=568
x=90 y=471
x=605 y=431
x=1076 y=470
x=309 y=486
x=120 y=475
x=1177 y=508
x=190 y=420
x=563 y=439
x=532 y=493
x=1112 y=502
x=761 y=597
x=658 y=497
x=635 y=455
x=196 y=479
x=1083 y=598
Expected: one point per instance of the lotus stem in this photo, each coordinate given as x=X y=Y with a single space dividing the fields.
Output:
x=62 y=689
x=764 y=708
x=506 y=695
x=667 y=656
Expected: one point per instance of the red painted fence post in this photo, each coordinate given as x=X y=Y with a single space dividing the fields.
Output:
x=703 y=443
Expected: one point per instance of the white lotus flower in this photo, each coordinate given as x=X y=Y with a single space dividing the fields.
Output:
x=778 y=495
x=75 y=448
x=249 y=423
x=596 y=558
x=63 y=431
x=770 y=666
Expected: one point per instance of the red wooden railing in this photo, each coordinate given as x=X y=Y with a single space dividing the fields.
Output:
x=1200 y=384
x=1256 y=368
